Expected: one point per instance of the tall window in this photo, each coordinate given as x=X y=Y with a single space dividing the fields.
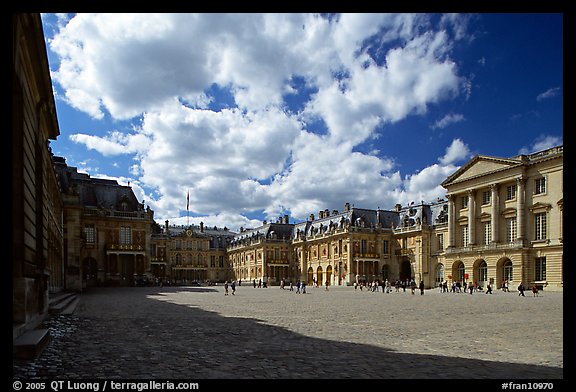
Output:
x=440 y=241
x=511 y=192
x=464 y=200
x=540 y=226
x=486 y=197
x=385 y=247
x=90 y=234
x=487 y=233
x=507 y=271
x=125 y=235
x=510 y=229
x=483 y=272
x=540 y=271
x=540 y=186
x=464 y=238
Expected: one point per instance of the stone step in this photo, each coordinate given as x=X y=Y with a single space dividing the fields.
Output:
x=68 y=310
x=30 y=344
x=60 y=302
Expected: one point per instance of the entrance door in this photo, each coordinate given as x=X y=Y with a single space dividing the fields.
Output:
x=405 y=269
x=90 y=271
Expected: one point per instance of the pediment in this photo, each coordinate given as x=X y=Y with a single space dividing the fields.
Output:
x=479 y=166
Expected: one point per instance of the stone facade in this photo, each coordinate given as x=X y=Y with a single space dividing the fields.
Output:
x=185 y=254
x=506 y=218
x=502 y=222
x=37 y=226
x=107 y=236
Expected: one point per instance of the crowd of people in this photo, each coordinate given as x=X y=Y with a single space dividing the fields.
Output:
x=386 y=286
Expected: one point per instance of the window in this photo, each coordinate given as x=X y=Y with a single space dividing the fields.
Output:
x=125 y=235
x=464 y=238
x=511 y=192
x=486 y=195
x=540 y=270
x=464 y=201
x=510 y=229
x=487 y=233
x=540 y=186
x=221 y=261
x=441 y=241
x=483 y=272
x=385 y=247
x=507 y=271
x=212 y=261
x=540 y=226
x=90 y=234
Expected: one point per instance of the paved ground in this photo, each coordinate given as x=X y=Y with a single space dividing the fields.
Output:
x=199 y=333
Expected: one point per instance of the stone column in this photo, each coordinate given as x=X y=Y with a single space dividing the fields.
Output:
x=495 y=212
x=451 y=221
x=471 y=217
x=520 y=202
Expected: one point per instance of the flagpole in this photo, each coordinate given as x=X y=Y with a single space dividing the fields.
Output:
x=187 y=208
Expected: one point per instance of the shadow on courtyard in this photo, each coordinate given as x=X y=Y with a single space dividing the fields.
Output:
x=129 y=334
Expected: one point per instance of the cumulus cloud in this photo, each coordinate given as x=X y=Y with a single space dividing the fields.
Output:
x=542 y=142
x=447 y=120
x=457 y=151
x=255 y=154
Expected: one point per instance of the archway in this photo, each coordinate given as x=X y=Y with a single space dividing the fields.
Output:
x=89 y=272
x=328 y=275
x=405 y=269
x=310 y=276
x=440 y=274
x=482 y=275
x=319 y=275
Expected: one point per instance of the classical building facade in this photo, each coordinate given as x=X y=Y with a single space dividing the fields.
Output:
x=107 y=231
x=505 y=220
x=184 y=254
x=37 y=226
x=264 y=253
x=502 y=222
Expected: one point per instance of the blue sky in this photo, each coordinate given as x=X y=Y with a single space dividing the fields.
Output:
x=261 y=115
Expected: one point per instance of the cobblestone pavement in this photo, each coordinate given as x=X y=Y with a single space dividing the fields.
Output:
x=200 y=333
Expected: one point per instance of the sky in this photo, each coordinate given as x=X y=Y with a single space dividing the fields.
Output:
x=256 y=116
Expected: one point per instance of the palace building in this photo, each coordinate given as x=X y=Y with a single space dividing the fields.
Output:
x=37 y=227
x=505 y=220
x=185 y=254
x=107 y=231
x=502 y=222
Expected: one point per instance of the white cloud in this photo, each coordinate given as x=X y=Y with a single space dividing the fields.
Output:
x=542 y=142
x=447 y=120
x=457 y=151
x=552 y=92
x=256 y=156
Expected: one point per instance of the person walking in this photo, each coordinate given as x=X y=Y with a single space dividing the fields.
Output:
x=233 y=286
x=488 y=288
x=534 y=290
x=226 y=288
x=421 y=287
x=521 y=290
x=470 y=287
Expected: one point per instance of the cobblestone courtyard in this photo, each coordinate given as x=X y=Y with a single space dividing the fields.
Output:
x=199 y=333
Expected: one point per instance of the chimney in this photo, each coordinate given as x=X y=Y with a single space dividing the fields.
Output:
x=264 y=222
x=166 y=226
x=286 y=219
x=202 y=227
x=347 y=207
x=312 y=217
x=398 y=207
x=326 y=213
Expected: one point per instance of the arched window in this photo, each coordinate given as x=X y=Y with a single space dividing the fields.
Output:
x=507 y=271
x=460 y=272
x=439 y=274
x=483 y=272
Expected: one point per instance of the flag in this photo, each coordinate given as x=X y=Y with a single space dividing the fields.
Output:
x=188 y=200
